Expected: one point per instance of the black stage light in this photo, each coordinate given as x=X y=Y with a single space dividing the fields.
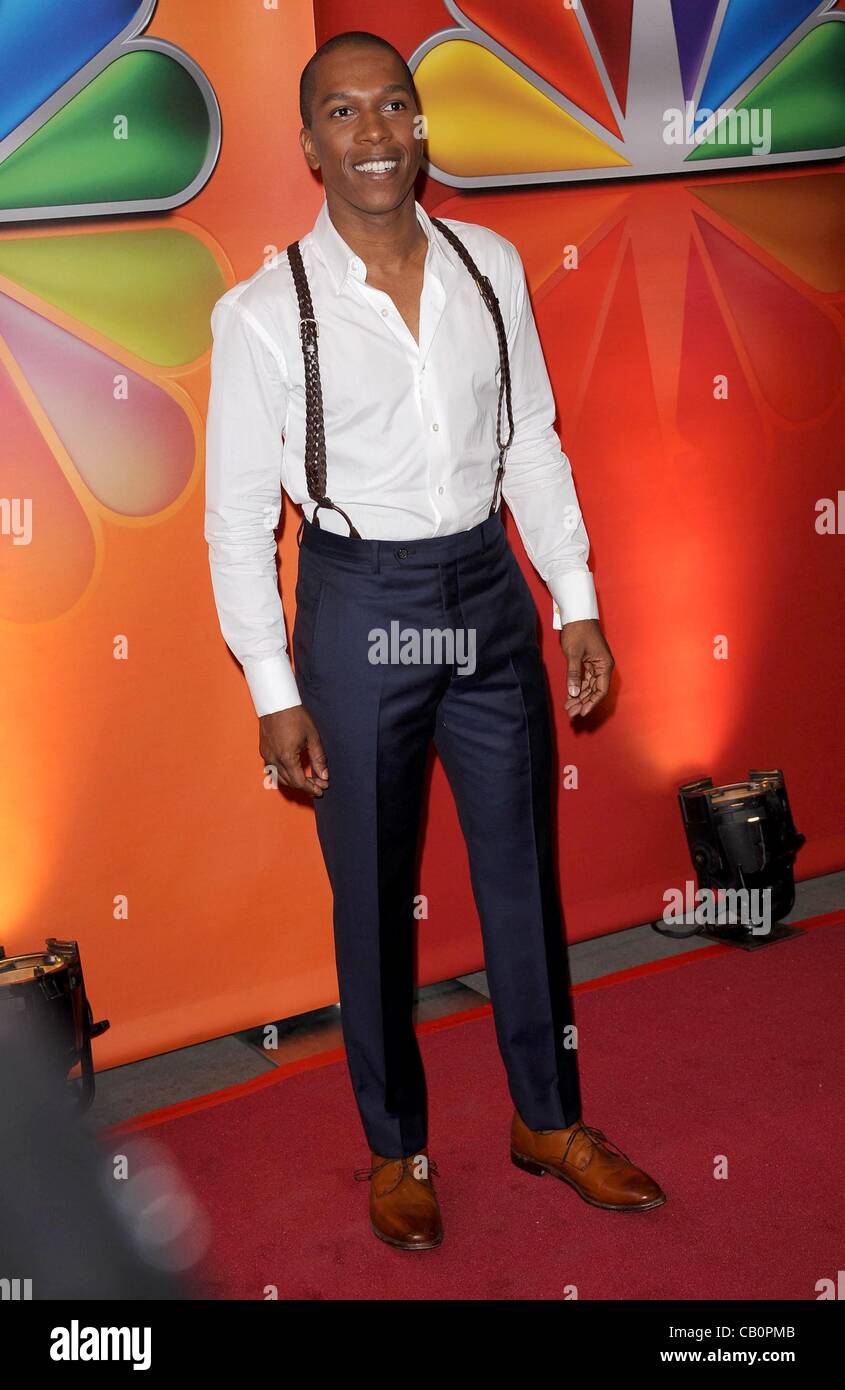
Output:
x=45 y=992
x=743 y=844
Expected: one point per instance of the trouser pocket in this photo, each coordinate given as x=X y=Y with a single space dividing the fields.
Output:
x=310 y=596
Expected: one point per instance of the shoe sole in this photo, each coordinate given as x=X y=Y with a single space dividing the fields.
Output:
x=401 y=1245
x=539 y=1170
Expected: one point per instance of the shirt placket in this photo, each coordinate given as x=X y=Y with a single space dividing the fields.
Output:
x=435 y=435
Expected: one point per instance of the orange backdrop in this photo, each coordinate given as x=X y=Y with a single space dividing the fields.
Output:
x=135 y=815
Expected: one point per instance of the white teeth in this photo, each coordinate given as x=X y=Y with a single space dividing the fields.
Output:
x=376 y=166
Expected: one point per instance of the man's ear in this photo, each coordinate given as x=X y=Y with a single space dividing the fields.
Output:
x=307 y=144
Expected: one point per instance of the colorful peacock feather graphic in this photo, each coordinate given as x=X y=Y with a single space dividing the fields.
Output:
x=98 y=323
x=557 y=90
x=98 y=328
x=95 y=119
x=677 y=282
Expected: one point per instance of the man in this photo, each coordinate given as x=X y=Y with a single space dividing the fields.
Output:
x=369 y=347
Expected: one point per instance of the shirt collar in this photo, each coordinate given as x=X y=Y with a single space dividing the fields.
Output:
x=342 y=261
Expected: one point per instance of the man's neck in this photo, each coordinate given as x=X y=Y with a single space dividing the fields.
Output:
x=387 y=242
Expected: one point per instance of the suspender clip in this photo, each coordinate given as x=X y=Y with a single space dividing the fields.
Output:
x=488 y=294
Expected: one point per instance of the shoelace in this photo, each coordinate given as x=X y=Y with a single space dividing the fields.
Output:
x=360 y=1174
x=596 y=1135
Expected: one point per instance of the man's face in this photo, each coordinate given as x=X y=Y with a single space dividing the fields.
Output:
x=363 y=113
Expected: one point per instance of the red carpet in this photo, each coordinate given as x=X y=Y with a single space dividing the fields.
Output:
x=733 y=1054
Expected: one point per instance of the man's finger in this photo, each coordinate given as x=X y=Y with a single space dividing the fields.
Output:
x=586 y=695
x=598 y=688
x=573 y=674
x=602 y=683
x=292 y=770
x=317 y=757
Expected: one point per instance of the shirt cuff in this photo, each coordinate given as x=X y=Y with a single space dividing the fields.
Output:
x=574 y=595
x=272 y=684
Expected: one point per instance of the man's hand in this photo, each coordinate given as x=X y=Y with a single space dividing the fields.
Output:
x=583 y=645
x=284 y=736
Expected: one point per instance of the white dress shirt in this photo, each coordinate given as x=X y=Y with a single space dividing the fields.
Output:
x=410 y=429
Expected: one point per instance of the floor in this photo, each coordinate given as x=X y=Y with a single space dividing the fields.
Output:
x=138 y=1087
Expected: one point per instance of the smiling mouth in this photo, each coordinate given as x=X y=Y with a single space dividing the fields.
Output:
x=376 y=168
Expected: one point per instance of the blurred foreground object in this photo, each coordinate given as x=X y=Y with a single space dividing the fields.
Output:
x=80 y=1219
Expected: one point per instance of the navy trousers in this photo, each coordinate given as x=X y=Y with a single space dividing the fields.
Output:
x=484 y=702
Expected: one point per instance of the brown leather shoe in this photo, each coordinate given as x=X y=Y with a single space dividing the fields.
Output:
x=580 y=1156
x=404 y=1210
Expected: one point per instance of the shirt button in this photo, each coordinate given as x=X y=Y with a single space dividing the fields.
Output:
x=441 y=490
x=435 y=426
x=384 y=313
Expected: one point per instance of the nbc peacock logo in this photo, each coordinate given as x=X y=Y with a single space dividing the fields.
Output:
x=95 y=119
x=103 y=323
x=556 y=90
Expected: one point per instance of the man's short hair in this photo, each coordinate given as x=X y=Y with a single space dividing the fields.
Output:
x=307 y=81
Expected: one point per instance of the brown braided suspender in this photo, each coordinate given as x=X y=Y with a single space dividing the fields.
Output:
x=488 y=294
x=315 y=436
